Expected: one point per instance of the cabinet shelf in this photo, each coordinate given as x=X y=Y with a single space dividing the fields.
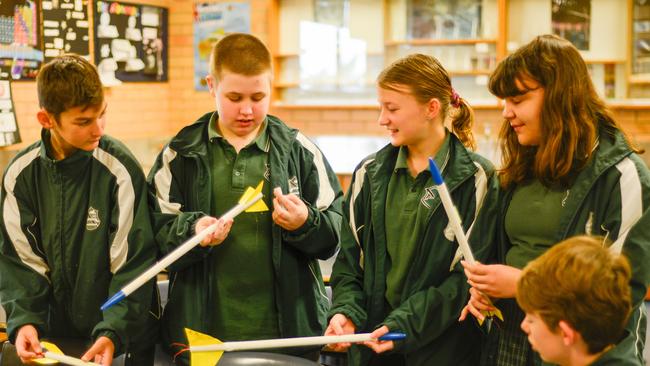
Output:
x=639 y=79
x=452 y=73
x=438 y=42
x=496 y=105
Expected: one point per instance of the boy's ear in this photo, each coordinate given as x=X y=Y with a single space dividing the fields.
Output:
x=569 y=335
x=212 y=85
x=45 y=119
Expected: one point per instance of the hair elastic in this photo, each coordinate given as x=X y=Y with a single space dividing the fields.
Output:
x=455 y=99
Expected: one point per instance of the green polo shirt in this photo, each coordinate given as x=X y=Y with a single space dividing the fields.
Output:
x=532 y=221
x=245 y=302
x=408 y=208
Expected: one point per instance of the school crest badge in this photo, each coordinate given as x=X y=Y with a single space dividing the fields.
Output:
x=293 y=186
x=93 y=221
x=267 y=172
x=429 y=194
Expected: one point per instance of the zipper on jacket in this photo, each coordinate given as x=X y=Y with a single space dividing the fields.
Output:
x=65 y=285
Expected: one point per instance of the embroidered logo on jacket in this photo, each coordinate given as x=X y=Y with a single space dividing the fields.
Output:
x=93 y=221
x=293 y=186
x=267 y=172
x=429 y=195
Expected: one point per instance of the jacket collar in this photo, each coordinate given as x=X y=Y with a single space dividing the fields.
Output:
x=192 y=139
x=462 y=165
x=45 y=148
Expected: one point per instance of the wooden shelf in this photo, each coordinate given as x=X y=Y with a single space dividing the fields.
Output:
x=291 y=55
x=296 y=84
x=286 y=85
x=469 y=72
x=286 y=55
x=616 y=104
x=452 y=73
x=280 y=105
x=639 y=79
x=438 y=42
x=604 y=61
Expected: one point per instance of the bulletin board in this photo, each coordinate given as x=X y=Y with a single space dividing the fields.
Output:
x=20 y=40
x=131 y=42
x=9 y=133
x=65 y=28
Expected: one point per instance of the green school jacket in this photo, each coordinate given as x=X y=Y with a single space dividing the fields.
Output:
x=74 y=232
x=621 y=355
x=179 y=184
x=609 y=198
x=436 y=288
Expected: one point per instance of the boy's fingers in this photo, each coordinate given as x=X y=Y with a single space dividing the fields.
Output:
x=479 y=269
x=295 y=200
x=277 y=191
x=107 y=360
x=463 y=313
x=476 y=313
x=338 y=329
x=286 y=202
x=280 y=209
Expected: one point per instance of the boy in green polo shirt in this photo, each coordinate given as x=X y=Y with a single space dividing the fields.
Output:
x=577 y=300
x=262 y=280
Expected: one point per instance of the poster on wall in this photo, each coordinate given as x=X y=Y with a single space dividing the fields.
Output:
x=9 y=134
x=570 y=19
x=211 y=22
x=20 y=42
x=65 y=28
x=130 y=42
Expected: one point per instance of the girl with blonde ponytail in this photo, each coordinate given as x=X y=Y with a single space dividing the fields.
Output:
x=398 y=269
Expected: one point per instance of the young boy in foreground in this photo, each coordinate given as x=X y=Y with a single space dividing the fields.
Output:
x=577 y=301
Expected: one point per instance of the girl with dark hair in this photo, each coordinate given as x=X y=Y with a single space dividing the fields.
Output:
x=567 y=169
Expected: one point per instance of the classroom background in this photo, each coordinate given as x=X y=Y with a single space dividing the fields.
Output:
x=327 y=54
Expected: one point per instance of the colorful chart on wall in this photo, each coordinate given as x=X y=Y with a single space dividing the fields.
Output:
x=9 y=133
x=130 y=42
x=65 y=28
x=20 y=42
x=570 y=19
x=211 y=22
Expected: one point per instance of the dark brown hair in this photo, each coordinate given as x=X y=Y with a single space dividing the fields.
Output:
x=239 y=53
x=582 y=283
x=66 y=82
x=427 y=79
x=571 y=116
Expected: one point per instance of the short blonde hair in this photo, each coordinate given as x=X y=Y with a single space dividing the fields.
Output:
x=240 y=53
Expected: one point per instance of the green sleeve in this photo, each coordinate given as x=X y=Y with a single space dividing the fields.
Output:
x=24 y=285
x=627 y=222
x=172 y=226
x=348 y=296
x=129 y=316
